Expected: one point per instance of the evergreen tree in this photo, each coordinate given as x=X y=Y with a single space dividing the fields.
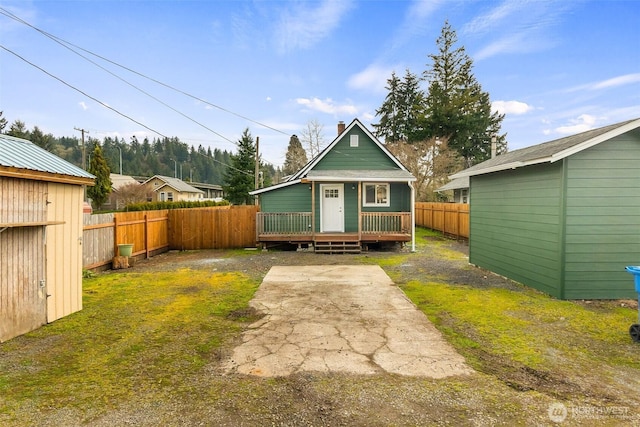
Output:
x=42 y=140
x=402 y=110
x=3 y=122
x=296 y=157
x=239 y=177
x=19 y=130
x=99 y=193
x=456 y=107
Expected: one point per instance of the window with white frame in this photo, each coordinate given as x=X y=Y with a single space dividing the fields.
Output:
x=170 y=196
x=375 y=195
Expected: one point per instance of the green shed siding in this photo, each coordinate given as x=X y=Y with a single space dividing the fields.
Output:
x=603 y=219
x=367 y=155
x=294 y=198
x=516 y=227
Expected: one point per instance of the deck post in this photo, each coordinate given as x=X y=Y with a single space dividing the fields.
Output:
x=413 y=219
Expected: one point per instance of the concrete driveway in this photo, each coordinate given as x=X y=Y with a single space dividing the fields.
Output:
x=340 y=318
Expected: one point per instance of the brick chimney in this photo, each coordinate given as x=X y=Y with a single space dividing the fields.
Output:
x=341 y=127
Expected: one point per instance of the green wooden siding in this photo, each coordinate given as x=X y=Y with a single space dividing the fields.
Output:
x=603 y=219
x=516 y=227
x=294 y=198
x=367 y=155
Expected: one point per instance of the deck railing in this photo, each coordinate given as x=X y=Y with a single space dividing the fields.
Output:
x=386 y=222
x=300 y=223
x=297 y=223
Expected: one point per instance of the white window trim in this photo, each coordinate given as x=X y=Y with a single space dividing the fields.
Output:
x=375 y=204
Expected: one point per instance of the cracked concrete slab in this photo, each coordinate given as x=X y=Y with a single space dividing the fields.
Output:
x=340 y=318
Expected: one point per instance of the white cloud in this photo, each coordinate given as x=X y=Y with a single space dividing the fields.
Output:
x=625 y=79
x=301 y=26
x=373 y=78
x=582 y=123
x=617 y=81
x=83 y=105
x=511 y=107
x=327 y=106
x=516 y=26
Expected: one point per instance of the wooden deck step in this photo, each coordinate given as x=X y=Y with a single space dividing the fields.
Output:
x=338 y=247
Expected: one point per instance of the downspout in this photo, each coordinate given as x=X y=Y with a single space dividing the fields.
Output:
x=413 y=217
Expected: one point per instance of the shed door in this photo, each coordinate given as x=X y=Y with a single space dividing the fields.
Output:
x=332 y=208
x=23 y=296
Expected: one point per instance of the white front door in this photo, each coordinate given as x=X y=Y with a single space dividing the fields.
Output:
x=331 y=208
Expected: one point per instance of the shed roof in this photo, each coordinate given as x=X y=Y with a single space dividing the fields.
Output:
x=551 y=151
x=455 y=184
x=175 y=183
x=32 y=161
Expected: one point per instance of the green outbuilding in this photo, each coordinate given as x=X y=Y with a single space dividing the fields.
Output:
x=355 y=193
x=563 y=216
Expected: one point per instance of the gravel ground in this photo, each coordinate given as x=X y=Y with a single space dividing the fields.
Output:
x=501 y=394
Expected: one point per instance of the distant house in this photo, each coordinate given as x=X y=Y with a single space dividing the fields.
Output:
x=41 y=203
x=562 y=216
x=118 y=181
x=167 y=189
x=210 y=191
x=354 y=193
x=460 y=188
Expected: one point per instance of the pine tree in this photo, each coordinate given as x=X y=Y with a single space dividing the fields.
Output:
x=402 y=110
x=296 y=157
x=457 y=109
x=239 y=177
x=99 y=193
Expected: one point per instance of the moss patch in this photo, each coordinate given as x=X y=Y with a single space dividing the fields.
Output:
x=137 y=333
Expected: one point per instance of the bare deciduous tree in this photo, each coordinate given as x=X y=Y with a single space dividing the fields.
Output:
x=313 y=138
x=130 y=193
x=431 y=161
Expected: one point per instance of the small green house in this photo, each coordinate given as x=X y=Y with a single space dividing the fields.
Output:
x=353 y=194
x=562 y=216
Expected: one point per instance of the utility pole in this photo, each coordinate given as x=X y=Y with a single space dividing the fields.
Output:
x=84 y=153
x=257 y=168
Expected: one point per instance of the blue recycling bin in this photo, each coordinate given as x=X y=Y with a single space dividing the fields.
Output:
x=634 y=330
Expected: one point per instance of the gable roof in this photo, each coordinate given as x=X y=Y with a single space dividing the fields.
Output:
x=22 y=158
x=309 y=166
x=373 y=175
x=118 y=181
x=175 y=183
x=551 y=151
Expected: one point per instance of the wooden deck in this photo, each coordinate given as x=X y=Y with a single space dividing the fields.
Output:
x=335 y=237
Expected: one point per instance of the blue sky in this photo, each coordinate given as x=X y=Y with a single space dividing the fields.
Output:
x=553 y=67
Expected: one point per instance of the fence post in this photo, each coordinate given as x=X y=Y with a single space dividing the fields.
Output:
x=146 y=235
x=115 y=235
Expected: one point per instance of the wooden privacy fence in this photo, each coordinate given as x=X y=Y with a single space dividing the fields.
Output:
x=153 y=232
x=449 y=218
x=213 y=228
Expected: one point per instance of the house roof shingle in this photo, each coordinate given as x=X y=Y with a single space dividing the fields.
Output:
x=175 y=183
x=550 y=151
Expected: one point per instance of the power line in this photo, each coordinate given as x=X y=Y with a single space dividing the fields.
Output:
x=83 y=93
x=64 y=43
